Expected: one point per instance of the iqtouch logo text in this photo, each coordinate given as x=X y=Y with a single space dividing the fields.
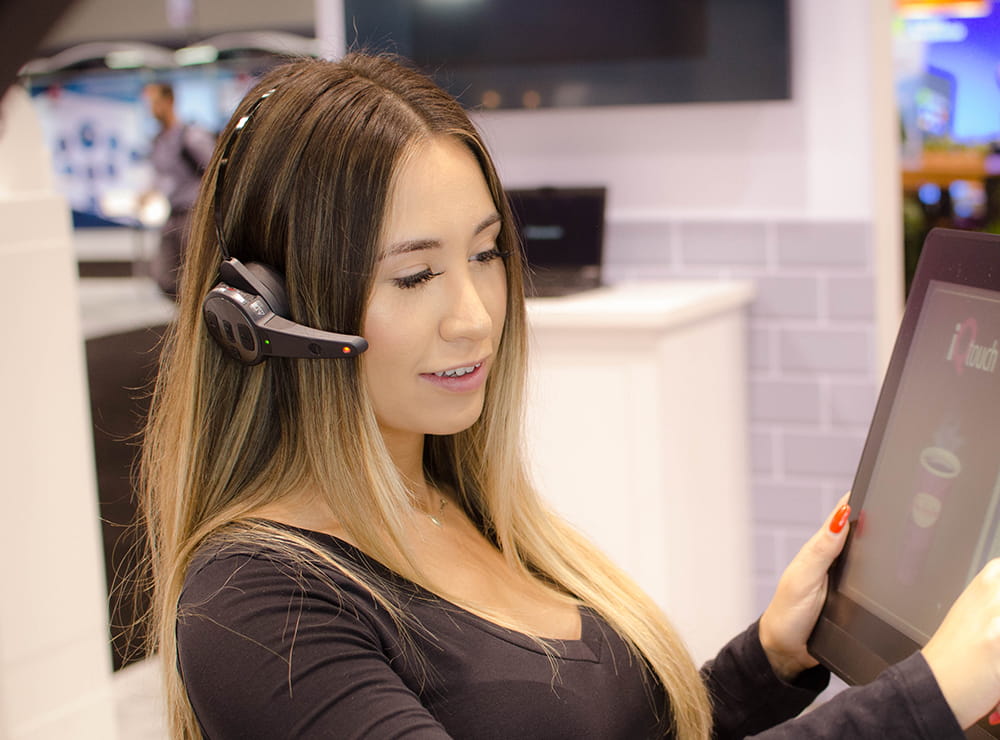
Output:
x=963 y=351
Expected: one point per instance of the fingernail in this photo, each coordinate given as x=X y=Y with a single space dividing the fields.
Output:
x=840 y=519
x=995 y=718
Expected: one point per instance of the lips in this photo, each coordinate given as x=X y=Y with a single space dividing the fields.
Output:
x=458 y=372
x=461 y=378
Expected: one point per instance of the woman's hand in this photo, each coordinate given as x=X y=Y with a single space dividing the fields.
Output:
x=790 y=617
x=964 y=653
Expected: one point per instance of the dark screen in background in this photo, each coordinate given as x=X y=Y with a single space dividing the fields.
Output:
x=570 y=53
x=560 y=227
x=929 y=518
x=488 y=32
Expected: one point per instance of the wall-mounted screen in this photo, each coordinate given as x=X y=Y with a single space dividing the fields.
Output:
x=565 y=53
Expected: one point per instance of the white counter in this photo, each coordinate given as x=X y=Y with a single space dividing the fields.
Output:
x=637 y=432
x=645 y=305
x=117 y=304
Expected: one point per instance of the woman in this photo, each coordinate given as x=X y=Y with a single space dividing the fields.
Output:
x=352 y=547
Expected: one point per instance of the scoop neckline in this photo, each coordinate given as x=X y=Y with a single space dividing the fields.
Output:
x=588 y=647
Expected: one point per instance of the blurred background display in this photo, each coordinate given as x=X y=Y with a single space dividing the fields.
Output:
x=947 y=61
x=564 y=53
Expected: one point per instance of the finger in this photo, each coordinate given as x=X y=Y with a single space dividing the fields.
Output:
x=838 y=519
x=824 y=546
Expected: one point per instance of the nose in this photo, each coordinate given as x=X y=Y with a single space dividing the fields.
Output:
x=467 y=316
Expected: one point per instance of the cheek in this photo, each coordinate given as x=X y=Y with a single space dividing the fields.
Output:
x=381 y=346
x=393 y=339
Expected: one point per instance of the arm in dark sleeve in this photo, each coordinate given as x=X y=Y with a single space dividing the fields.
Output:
x=903 y=702
x=265 y=652
x=747 y=696
x=751 y=701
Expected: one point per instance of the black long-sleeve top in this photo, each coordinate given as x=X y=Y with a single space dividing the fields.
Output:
x=268 y=649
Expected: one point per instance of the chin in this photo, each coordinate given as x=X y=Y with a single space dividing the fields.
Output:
x=457 y=423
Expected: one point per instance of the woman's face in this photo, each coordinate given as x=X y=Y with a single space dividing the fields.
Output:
x=437 y=307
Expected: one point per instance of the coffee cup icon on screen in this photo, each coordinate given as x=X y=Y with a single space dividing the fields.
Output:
x=937 y=471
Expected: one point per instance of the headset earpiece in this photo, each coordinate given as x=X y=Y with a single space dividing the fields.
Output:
x=247 y=312
x=248 y=327
x=256 y=277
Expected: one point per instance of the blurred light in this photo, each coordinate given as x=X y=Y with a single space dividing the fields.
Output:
x=119 y=204
x=154 y=210
x=953 y=8
x=531 y=99
x=959 y=189
x=967 y=198
x=200 y=54
x=929 y=194
x=271 y=42
x=491 y=99
x=124 y=59
x=113 y=54
x=544 y=231
x=933 y=30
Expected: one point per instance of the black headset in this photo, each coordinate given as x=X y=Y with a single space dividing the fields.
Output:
x=247 y=311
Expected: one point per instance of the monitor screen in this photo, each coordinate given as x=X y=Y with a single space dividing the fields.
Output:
x=929 y=521
x=562 y=231
x=566 y=53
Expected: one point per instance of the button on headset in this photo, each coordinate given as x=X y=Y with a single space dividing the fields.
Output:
x=246 y=338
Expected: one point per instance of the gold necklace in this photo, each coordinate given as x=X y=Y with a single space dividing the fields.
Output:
x=436 y=518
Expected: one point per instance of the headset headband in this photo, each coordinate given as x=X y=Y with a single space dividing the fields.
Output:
x=220 y=177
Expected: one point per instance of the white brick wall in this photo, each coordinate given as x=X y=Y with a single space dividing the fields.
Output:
x=811 y=374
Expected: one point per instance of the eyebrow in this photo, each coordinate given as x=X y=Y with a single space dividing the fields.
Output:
x=415 y=245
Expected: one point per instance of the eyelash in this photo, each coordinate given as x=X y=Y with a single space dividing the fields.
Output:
x=419 y=278
x=412 y=281
x=489 y=255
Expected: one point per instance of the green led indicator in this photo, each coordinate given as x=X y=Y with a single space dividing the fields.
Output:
x=267 y=341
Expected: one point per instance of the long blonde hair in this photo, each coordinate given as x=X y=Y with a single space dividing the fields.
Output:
x=305 y=192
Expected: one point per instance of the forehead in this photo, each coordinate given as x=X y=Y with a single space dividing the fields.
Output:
x=439 y=188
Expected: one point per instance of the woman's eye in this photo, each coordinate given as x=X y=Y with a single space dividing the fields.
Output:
x=417 y=278
x=489 y=255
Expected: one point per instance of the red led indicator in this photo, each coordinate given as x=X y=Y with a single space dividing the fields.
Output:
x=346 y=350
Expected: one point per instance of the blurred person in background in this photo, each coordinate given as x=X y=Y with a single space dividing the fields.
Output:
x=179 y=154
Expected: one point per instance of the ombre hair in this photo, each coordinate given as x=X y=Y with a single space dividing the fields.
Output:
x=306 y=191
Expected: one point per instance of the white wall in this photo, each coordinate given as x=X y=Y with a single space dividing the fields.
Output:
x=808 y=155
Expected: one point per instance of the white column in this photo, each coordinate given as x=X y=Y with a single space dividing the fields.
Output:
x=887 y=204
x=330 y=31
x=55 y=662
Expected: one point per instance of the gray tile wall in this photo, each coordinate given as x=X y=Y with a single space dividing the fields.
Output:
x=811 y=363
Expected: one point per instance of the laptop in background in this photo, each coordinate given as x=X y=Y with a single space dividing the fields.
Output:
x=562 y=230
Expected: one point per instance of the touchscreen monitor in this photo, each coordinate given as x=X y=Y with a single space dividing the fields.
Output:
x=926 y=499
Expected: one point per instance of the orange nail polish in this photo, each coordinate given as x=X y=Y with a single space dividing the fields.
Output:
x=840 y=519
x=995 y=718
